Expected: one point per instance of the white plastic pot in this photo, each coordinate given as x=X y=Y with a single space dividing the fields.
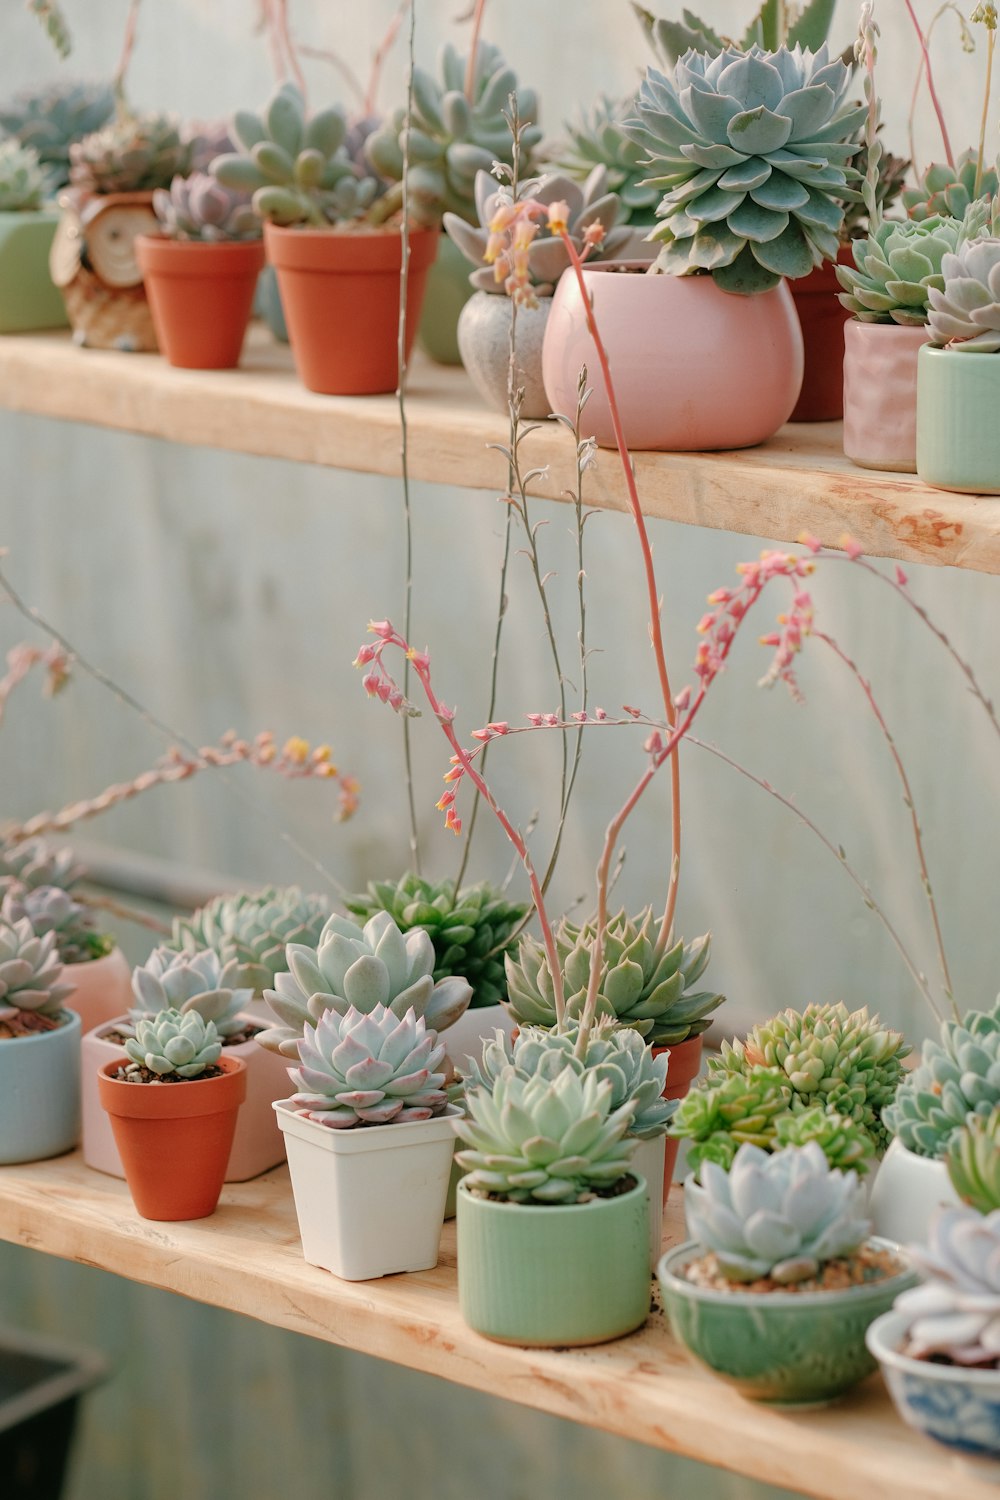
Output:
x=648 y=1162
x=907 y=1193
x=465 y=1037
x=370 y=1201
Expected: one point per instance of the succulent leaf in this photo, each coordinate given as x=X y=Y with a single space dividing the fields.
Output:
x=955 y=1314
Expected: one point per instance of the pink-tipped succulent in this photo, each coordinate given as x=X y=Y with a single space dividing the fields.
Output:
x=200 y=208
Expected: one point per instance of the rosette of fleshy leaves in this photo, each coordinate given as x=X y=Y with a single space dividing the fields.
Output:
x=34 y=862
x=950 y=191
x=895 y=270
x=965 y=310
x=191 y=983
x=955 y=1315
x=134 y=154
x=30 y=970
x=169 y=1043
x=597 y=139
x=50 y=909
x=369 y=1068
x=200 y=208
x=254 y=928
x=973 y=1162
x=49 y=120
x=24 y=182
x=589 y=203
x=958 y=1076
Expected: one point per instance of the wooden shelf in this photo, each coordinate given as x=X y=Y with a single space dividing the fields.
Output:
x=246 y=1258
x=799 y=481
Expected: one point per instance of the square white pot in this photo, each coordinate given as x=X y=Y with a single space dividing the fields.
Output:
x=370 y=1201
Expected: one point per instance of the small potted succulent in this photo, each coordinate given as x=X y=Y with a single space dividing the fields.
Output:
x=201 y=270
x=173 y=1102
x=780 y=1280
x=28 y=298
x=39 y=1048
x=553 y=1225
x=370 y=1141
x=334 y=243
x=484 y=327
x=93 y=963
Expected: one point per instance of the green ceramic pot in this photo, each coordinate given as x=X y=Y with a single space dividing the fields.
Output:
x=448 y=290
x=789 y=1348
x=554 y=1276
x=28 y=298
x=958 y=435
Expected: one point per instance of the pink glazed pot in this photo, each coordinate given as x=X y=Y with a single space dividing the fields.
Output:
x=102 y=988
x=694 y=368
x=880 y=395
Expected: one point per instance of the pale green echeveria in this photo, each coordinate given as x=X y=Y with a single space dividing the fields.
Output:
x=369 y=1068
x=50 y=909
x=191 y=982
x=30 y=970
x=24 y=182
x=361 y=967
x=34 y=862
x=51 y=118
x=781 y=1216
x=541 y=1140
x=752 y=152
x=955 y=1314
x=965 y=311
x=973 y=1162
x=895 y=269
x=597 y=139
x=945 y=190
x=958 y=1076
x=772 y=27
x=254 y=927
x=171 y=1043
x=613 y=1052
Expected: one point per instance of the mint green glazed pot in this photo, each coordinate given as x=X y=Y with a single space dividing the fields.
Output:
x=788 y=1348
x=958 y=420
x=40 y=1092
x=555 y=1275
x=28 y=298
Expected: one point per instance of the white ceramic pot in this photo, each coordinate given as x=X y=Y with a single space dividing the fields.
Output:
x=40 y=1093
x=906 y=1193
x=102 y=988
x=953 y=1404
x=466 y=1036
x=648 y=1162
x=484 y=342
x=370 y=1201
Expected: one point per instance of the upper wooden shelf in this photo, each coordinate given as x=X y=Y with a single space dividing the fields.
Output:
x=247 y=1258
x=800 y=481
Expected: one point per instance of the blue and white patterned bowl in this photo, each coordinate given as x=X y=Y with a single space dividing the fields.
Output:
x=955 y=1406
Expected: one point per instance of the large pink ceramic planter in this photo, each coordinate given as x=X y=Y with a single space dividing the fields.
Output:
x=102 y=988
x=880 y=395
x=258 y=1144
x=693 y=368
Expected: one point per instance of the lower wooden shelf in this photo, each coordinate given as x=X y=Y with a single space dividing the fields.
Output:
x=247 y=1258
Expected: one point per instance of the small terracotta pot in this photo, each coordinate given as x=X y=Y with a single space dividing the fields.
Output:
x=682 y=1070
x=102 y=988
x=822 y=318
x=201 y=296
x=340 y=294
x=880 y=395
x=174 y=1138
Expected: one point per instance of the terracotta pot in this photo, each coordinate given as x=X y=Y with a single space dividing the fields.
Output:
x=484 y=341
x=201 y=296
x=175 y=1138
x=822 y=319
x=694 y=368
x=880 y=395
x=102 y=988
x=340 y=294
x=94 y=264
x=682 y=1070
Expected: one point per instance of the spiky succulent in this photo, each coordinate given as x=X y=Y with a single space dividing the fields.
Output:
x=614 y=1052
x=727 y=1110
x=171 y=1043
x=597 y=139
x=781 y=1216
x=973 y=1162
x=24 y=183
x=51 y=119
x=965 y=311
x=955 y=1314
x=773 y=26
x=542 y=1140
x=958 y=1076
x=295 y=164
x=254 y=928
x=451 y=139
x=362 y=968
x=134 y=154
x=643 y=988
x=34 y=862
x=846 y=1061
x=895 y=270
x=945 y=190
x=548 y=257
x=200 y=208
x=30 y=969
x=50 y=909
x=191 y=983
x=369 y=1068
x=752 y=151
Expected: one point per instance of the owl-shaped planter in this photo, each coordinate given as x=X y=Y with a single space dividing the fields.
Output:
x=93 y=262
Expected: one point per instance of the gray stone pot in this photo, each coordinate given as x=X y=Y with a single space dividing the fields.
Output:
x=484 y=341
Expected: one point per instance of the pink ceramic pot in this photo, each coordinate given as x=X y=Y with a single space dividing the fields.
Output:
x=258 y=1144
x=102 y=988
x=694 y=368
x=880 y=395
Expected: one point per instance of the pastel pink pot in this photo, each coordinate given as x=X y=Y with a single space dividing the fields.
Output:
x=694 y=368
x=258 y=1144
x=102 y=988
x=880 y=395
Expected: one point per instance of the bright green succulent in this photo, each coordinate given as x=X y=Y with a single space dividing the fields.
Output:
x=369 y=1068
x=33 y=862
x=134 y=154
x=957 y=1077
x=973 y=1162
x=597 y=139
x=945 y=190
x=781 y=1216
x=51 y=119
x=895 y=270
x=965 y=310
x=541 y=1140
x=173 y=1044
x=727 y=1110
x=645 y=989
x=774 y=26
x=254 y=928
x=50 y=909
x=752 y=152
x=844 y=1143
x=30 y=970
x=24 y=182
x=192 y=982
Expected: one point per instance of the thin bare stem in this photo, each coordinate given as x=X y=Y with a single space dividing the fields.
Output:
x=470 y=67
x=340 y=66
x=929 y=71
x=381 y=53
x=285 y=34
x=126 y=913
x=990 y=49
x=128 y=47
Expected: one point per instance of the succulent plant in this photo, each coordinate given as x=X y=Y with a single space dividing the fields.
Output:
x=200 y=208
x=542 y=1140
x=24 y=183
x=171 y=1043
x=134 y=154
x=895 y=269
x=958 y=1076
x=450 y=139
x=892 y=172
x=945 y=190
x=807 y=25
x=50 y=909
x=51 y=119
x=955 y=1314
x=973 y=1162
x=33 y=862
x=30 y=969
x=752 y=151
x=470 y=928
x=295 y=165
x=369 y=1068
x=848 y=1062
x=646 y=990
x=254 y=927
x=844 y=1142
x=207 y=142
x=727 y=1110
x=965 y=311
x=189 y=983
x=360 y=968
x=780 y=1216
x=614 y=1052
x=547 y=255
x=597 y=139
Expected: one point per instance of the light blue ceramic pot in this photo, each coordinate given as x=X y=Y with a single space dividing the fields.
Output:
x=40 y=1093
x=958 y=435
x=955 y=1406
